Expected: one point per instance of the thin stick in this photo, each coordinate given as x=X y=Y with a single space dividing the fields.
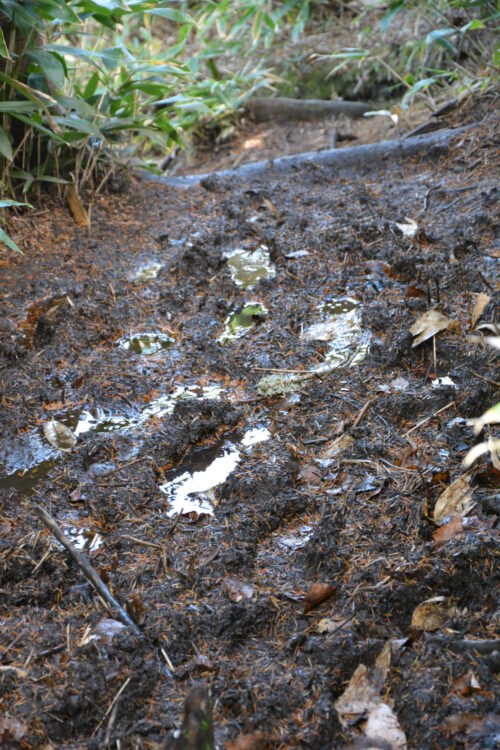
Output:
x=87 y=570
x=431 y=416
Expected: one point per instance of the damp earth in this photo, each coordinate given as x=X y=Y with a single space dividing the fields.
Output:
x=252 y=422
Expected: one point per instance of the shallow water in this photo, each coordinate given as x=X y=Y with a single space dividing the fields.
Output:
x=238 y=323
x=249 y=267
x=145 y=344
x=190 y=490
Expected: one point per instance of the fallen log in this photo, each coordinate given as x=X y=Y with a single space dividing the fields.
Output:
x=284 y=109
x=343 y=160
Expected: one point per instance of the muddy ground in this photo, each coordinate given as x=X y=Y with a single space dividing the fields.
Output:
x=331 y=481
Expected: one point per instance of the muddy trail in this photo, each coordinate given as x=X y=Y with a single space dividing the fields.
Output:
x=216 y=394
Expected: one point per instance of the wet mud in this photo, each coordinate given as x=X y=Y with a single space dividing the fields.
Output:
x=250 y=417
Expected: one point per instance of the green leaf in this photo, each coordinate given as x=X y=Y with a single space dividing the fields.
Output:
x=386 y=19
x=418 y=86
x=50 y=64
x=5 y=148
x=6 y=202
x=4 y=50
x=13 y=105
x=473 y=25
x=178 y=16
x=438 y=35
x=4 y=237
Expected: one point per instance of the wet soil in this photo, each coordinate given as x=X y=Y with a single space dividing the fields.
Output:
x=331 y=479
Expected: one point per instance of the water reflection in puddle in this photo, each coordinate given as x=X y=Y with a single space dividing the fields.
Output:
x=190 y=490
x=24 y=481
x=166 y=404
x=145 y=343
x=240 y=322
x=83 y=539
x=100 y=420
x=147 y=272
x=340 y=326
x=249 y=267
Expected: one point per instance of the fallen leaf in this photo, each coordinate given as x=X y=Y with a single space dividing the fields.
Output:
x=363 y=691
x=76 y=206
x=451 y=530
x=382 y=724
x=466 y=684
x=428 y=325
x=254 y=741
x=238 y=590
x=482 y=300
x=336 y=446
x=317 y=594
x=328 y=625
x=409 y=229
x=456 y=500
x=432 y=614
x=136 y=609
x=271 y=207
x=59 y=435
x=5 y=528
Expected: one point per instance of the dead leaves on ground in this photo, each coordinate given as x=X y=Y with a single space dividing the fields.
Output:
x=317 y=594
x=456 y=500
x=362 y=702
x=428 y=325
x=433 y=613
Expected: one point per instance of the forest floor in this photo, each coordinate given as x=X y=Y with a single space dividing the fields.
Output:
x=260 y=448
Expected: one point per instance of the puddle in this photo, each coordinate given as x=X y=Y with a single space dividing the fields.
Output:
x=190 y=491
x=99 y=420
x=249 y=267
x=145 y=343
x=166 y=404
x=147 y=272
x=239 y=323
x=84 y=540
x=340 y=326
x=25 y=480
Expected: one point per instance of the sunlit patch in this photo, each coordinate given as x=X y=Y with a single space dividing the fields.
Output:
x=255 y=142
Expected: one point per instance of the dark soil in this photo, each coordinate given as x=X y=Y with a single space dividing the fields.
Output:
x=220 y=598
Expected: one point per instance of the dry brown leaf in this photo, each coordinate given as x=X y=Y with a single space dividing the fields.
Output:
x=359 y=697
x=428 y=325
x=466 y=684
x=238 y=590
x=271 y=207
x=317 y=594
x=77 y=208
x=254 y=741
x=59 y=436
x=432 y=614
x=454 y=529
x=336 y=446
x=136 y=609
x=382 y=724
x=456 y=500
x=482 y=300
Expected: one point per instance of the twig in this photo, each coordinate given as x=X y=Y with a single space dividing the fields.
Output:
x=87 y=570
x=431 y=416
